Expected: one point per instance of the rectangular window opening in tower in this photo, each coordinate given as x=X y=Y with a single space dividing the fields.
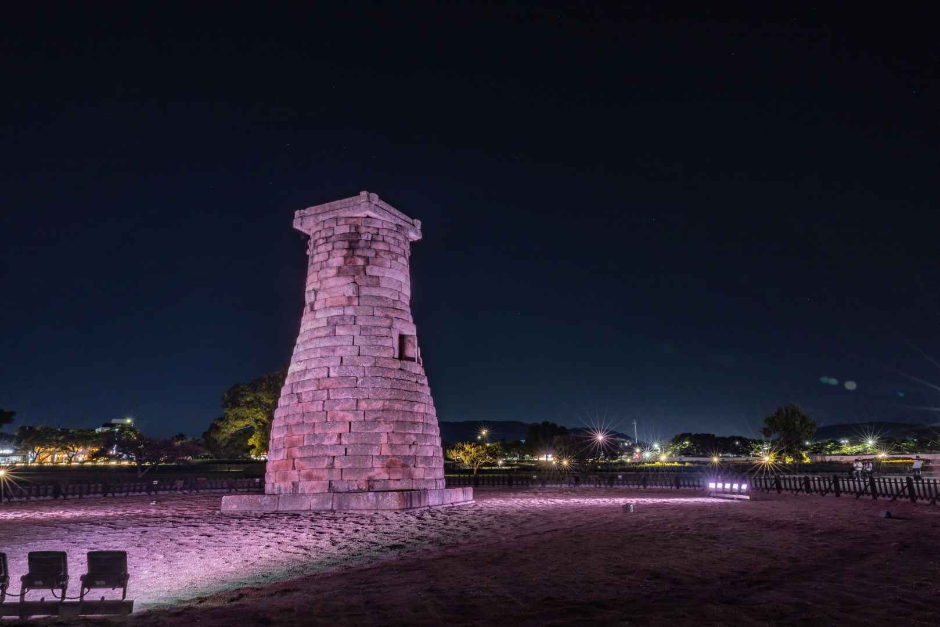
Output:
x=407 y=347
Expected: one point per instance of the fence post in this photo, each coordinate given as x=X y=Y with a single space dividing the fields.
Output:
x=677 y=482
x=777 y=484
x=874 y=488
x=910 y=489
x=835 y=485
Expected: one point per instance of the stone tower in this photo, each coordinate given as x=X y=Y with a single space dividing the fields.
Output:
x=355 y=427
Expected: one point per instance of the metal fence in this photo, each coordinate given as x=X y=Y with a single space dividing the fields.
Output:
x=600 y=480
x=26 y=492
x=913 y=489
x=893 y=488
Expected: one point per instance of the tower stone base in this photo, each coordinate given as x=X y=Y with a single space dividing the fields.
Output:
x=345 y=501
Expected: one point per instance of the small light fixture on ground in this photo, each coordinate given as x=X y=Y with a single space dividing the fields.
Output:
x=106 y=569
x=48 y=570
x=4 y=576
x=728 y=490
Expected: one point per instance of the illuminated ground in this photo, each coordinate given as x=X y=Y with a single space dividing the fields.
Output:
x=522 y=557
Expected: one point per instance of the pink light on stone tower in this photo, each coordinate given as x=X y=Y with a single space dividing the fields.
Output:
x=355 y=427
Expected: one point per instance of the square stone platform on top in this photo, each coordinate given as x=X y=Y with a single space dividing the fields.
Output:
x=355 y=427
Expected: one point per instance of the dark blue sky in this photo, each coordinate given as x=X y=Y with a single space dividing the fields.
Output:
x=686 y=219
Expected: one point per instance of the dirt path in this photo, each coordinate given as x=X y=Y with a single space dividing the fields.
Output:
x=521 y=558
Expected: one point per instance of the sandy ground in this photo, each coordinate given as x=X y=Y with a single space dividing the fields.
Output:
x=530 y=558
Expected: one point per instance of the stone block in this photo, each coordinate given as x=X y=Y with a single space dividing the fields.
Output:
x=352 y=461
x=317 y=450
x=337 y=382
x=322 y=438
x=357 y=474
x=359 y=360
x=338 y=404
x=293 y=440
x=364 y=449
x=364 y=438
x=393 y=484
x=321 y=474
x=334 y=426
x=383 y=331
x=373 y=321
x=233 y=504
x=282 y=464
x=393 y=461
x=304 y=502
x=345 y=415
x=311 y=463
x=398 y=449
x=347 y=371
x=369 y=426
x=307 y=487
x=348 y=486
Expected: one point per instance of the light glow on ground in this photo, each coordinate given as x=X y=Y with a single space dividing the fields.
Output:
x=183 y=548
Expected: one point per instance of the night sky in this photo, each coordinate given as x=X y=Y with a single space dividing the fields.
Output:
x=682 y=219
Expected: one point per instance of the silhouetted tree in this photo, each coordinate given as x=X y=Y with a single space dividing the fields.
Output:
x=575 y=450
x=6 y=417
x=147 y=452
x=708 y=444
x=540 y=438
x=791 y=426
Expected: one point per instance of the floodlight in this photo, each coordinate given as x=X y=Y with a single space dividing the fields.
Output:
x=711 y=486
x=106 y=569
x=48 y=570
x=743 y=487
x=734 y=486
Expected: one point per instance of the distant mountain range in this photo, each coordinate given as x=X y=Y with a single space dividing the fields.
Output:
x=878 y=429
x=511 y=430
x=508 y=430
